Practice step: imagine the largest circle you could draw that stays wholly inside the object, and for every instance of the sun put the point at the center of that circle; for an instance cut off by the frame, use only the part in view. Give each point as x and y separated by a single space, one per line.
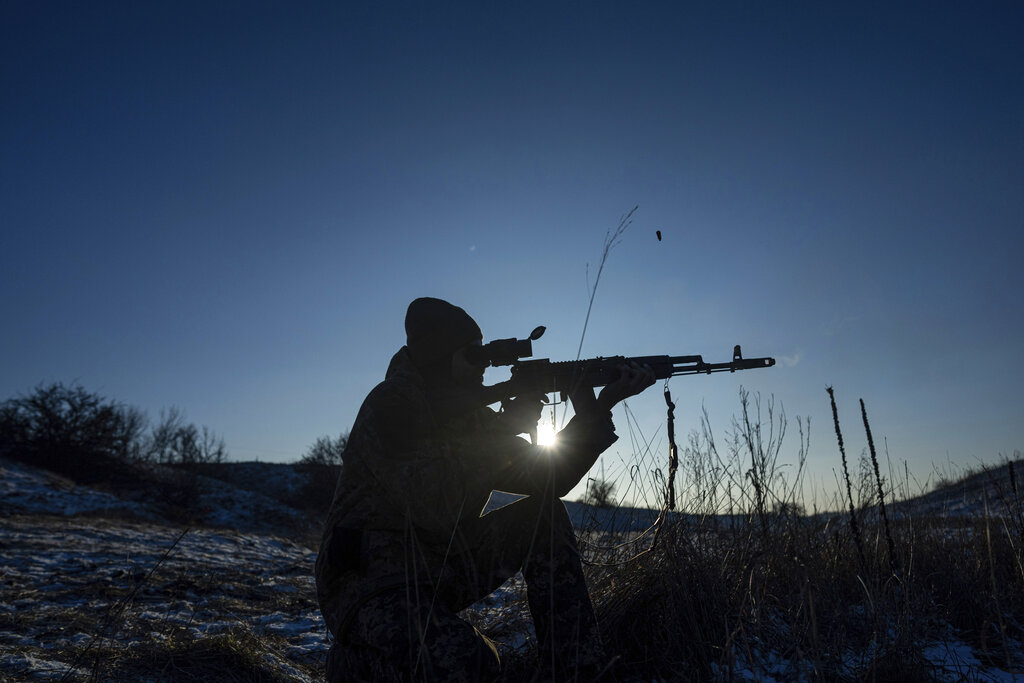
546 434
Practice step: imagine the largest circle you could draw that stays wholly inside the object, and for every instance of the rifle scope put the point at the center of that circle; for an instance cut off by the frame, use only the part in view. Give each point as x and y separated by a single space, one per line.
504 351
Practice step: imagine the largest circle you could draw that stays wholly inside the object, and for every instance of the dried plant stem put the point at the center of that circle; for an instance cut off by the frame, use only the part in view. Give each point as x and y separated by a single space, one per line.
881 493
113 617
846 475
610 240
1000 619
673 453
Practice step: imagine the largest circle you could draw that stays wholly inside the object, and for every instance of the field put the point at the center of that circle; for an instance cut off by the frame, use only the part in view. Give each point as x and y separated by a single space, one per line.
102 585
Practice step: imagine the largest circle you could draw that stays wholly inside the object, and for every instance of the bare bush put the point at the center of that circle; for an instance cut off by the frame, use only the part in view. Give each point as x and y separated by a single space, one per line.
173 441
321 464
325 451
600 493
68 429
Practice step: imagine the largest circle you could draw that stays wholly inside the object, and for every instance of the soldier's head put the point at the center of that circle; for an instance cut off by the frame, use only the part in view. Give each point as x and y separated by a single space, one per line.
436 332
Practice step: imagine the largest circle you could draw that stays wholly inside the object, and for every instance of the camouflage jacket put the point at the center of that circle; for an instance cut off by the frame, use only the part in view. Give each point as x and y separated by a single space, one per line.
410 474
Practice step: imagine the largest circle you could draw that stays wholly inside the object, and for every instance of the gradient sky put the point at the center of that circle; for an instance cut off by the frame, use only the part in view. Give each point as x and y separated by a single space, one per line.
227 207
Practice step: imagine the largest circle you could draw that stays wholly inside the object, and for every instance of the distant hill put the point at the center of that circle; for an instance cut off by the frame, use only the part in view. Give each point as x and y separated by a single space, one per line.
247 497
996 488
261 497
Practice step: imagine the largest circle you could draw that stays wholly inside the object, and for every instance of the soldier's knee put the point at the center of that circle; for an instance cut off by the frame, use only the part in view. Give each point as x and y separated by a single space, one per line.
460 655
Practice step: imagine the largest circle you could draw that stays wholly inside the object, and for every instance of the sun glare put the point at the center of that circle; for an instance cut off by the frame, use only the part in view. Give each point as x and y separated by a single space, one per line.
546 435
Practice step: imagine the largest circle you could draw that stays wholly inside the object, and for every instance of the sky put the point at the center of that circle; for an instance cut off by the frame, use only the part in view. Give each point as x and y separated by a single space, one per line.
227 207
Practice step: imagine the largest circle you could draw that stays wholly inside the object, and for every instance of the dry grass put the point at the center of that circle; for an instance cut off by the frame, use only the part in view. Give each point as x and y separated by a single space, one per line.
766 590
178 655
94 600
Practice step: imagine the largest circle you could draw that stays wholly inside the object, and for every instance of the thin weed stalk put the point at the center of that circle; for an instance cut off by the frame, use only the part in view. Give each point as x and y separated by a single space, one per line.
1000 619
846 475
113 618
881 492
611 239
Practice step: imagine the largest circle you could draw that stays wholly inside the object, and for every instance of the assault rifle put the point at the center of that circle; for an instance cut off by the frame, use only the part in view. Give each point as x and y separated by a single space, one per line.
563 377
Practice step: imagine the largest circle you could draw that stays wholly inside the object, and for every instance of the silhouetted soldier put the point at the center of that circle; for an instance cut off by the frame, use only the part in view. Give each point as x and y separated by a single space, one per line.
405 548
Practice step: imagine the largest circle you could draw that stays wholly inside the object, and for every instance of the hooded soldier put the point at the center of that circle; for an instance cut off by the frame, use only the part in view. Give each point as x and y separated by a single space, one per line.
405 547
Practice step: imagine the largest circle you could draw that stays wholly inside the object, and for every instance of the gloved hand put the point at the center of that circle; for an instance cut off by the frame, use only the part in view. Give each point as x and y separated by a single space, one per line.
522 413
633 380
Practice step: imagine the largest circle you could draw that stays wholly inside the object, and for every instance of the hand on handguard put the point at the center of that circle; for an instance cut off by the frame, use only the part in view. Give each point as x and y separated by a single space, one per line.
633 380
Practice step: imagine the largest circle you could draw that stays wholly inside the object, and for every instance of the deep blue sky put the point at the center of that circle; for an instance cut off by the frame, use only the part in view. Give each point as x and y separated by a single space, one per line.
226 207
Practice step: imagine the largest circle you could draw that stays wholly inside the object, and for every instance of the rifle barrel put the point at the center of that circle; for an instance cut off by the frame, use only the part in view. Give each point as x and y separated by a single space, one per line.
690 367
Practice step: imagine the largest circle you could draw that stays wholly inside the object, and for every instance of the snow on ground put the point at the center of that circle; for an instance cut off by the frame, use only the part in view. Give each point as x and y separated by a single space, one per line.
70 563
25 489
73 580
65 581
954 660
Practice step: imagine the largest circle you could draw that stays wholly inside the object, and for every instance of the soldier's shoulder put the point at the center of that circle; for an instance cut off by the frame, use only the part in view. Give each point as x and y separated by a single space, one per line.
395 391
